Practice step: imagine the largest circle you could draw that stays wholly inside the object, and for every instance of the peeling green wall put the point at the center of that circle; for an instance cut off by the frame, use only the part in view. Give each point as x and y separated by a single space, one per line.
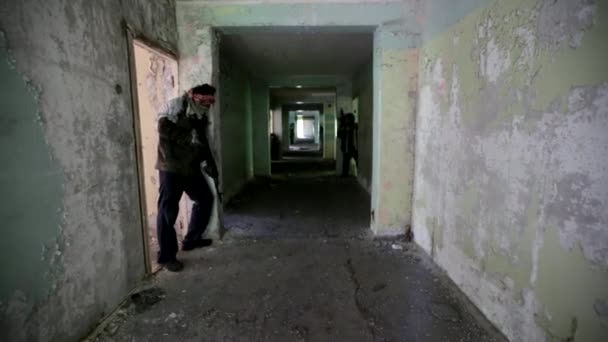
437 16
31 185
329 130
511 184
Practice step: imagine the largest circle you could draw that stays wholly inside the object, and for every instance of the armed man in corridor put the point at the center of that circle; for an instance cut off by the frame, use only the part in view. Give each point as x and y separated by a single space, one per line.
182 149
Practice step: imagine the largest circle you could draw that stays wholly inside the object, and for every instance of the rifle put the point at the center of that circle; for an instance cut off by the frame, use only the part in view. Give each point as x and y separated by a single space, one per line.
209 167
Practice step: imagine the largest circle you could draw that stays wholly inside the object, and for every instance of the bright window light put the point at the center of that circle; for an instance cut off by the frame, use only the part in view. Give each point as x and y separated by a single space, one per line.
300 127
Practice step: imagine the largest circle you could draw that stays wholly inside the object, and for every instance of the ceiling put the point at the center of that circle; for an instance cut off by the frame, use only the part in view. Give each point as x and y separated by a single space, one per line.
271 52
294 92
302 96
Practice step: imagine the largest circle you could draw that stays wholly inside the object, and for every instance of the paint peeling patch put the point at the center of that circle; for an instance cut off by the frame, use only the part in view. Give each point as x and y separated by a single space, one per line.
32 184
580 194
4 46
439 82
513 168
528 39
564 22
497 61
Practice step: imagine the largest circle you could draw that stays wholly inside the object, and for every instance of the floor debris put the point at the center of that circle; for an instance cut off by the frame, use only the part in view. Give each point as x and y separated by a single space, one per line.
347 287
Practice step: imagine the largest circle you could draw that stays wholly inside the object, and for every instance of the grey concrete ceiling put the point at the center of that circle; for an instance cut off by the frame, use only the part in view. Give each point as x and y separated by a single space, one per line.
300 96
270 53
291 92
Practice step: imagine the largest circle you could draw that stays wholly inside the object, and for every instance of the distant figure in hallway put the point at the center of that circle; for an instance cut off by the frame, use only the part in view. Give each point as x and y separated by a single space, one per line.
321 137
292 133
347 133
182 149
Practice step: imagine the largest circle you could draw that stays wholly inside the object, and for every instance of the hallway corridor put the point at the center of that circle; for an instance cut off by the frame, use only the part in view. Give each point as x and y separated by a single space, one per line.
299 207
297 264
475 133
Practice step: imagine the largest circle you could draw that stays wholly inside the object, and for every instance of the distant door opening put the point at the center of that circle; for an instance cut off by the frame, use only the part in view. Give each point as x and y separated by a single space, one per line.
305 136
154 81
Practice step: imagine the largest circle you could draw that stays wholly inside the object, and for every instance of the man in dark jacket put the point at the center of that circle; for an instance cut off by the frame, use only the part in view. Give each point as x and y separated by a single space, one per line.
347 133
182 149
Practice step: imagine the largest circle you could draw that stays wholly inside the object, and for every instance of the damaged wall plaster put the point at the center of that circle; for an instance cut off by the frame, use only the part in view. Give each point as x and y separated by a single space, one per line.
70 175
394 126
511 184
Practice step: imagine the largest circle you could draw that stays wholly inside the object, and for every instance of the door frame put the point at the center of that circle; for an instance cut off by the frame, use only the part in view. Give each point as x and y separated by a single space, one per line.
134 35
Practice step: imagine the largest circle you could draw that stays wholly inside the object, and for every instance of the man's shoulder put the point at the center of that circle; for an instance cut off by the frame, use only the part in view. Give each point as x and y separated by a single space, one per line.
172 108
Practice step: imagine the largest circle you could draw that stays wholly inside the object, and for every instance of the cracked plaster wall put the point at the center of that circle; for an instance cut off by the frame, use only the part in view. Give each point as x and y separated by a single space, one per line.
73 244
511 185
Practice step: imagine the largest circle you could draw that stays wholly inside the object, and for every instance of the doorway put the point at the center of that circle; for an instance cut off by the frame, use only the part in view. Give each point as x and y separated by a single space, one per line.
154 81
304 128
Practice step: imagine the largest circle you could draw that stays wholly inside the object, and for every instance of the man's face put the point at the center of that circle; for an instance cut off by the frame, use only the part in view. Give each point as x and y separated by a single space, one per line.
202 100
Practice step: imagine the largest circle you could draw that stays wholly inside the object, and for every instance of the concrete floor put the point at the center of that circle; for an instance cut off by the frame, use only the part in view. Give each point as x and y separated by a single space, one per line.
298 264
299 207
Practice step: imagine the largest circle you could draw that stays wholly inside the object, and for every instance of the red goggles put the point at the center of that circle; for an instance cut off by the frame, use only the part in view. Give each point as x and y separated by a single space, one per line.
203 99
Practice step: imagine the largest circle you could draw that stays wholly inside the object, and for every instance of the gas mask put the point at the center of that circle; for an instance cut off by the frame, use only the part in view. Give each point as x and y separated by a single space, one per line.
197 109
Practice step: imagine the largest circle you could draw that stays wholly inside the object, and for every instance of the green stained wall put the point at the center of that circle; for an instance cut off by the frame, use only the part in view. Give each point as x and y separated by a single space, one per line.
510 180
72 245
249 123
329 130
437 16
31 189
236 130
260 116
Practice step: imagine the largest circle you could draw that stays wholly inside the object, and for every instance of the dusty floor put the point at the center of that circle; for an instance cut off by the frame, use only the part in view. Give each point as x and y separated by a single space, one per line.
298 264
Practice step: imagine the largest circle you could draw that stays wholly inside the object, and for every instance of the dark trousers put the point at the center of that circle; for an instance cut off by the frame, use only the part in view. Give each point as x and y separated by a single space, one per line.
346 157
172 186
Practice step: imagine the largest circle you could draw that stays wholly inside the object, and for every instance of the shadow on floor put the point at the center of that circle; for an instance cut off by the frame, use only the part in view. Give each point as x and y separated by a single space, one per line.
302 166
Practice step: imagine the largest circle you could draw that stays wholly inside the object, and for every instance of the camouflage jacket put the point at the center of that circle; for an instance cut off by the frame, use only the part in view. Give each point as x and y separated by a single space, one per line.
182 141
